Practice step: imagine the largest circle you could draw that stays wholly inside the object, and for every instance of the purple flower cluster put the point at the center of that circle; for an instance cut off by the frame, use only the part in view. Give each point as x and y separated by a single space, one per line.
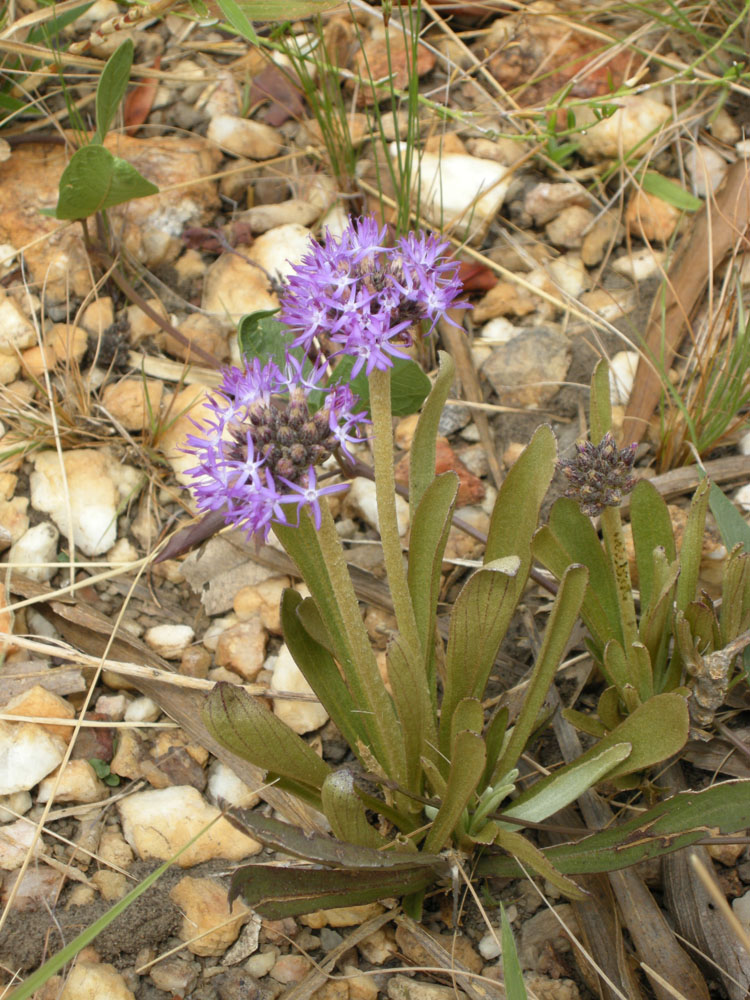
258 449
600 475
368 298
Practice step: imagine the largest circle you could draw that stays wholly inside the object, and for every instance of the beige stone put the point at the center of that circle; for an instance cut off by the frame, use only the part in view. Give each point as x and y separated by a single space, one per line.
650 217
360 987
78 783
98 315
243 137
113 849
16 840
13 518
186 408
637 122
95 981
134 402
159 822
300 716
204 332
63 344
378 947
38 702
242 648
111 885
290 969
206 915
262 598
342 916
10 366
16 330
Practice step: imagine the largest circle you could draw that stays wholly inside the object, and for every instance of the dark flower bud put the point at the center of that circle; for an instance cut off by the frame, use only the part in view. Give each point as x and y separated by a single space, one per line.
599 475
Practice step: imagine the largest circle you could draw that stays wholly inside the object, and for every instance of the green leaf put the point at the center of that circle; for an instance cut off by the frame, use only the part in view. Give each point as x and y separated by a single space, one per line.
556 634
112 86
467 766
652 528
536 806
238 19
431 522
277 892
245 726
519 847
732 526
346 812
414 706
409 385
691 550
422 452
94 180
669 826
480 619
318 666
600 414
669 191
261 335
515 989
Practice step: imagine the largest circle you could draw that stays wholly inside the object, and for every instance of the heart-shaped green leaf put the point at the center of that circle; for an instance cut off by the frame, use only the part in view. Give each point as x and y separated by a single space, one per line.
94 180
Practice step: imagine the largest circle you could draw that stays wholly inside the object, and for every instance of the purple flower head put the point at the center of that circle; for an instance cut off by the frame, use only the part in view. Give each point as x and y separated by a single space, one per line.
261 441
370 299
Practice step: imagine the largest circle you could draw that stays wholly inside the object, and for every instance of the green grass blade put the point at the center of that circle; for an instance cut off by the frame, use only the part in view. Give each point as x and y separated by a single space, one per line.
512 973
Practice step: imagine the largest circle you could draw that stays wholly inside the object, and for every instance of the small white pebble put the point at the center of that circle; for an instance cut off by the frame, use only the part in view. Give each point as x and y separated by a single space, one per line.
169 641
142 710
744 445
742 497
489 946
621 376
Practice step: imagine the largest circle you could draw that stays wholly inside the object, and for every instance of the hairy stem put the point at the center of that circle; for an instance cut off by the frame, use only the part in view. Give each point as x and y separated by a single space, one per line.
615 542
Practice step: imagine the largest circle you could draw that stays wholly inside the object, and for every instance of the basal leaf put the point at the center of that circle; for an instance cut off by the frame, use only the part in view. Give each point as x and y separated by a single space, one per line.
239 20
94 180
245 726
112 86
345 811
515 988
276 892
411 696
652 528
466 768
422 452
538 861
691 550
732 526
669 826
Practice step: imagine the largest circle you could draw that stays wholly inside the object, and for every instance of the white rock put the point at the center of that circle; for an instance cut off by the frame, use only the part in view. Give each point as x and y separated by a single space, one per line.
360 500
456 186
301 716
27 754
744 445
12 806
636 122
489 947
568 274
707 169
16 332
35 547
78 783
169 641
218 625
741 908
95 981
16 840
742 497
498 331
280 248
545 201
159 822
640 264
743 147
95 482
295 211
143 709
622 370
243 137
225 788
112 706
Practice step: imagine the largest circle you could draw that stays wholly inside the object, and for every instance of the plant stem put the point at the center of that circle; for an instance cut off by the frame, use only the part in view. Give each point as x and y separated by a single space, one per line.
385 493
614 539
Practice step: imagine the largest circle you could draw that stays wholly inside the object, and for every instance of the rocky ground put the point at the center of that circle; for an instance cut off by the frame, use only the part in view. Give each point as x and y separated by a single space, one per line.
104 366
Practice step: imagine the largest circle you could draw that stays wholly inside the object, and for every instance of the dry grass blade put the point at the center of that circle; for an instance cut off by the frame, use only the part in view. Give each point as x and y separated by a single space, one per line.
714 232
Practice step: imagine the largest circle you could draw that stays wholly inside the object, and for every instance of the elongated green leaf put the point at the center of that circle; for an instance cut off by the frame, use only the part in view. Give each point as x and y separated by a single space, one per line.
345 811
469 715
480 619
691 549
353 651
515 988
325 850
261 335
422 452
669 826
239 20
615 666
735 604
652 528
467 766
414 706
556 634
319 669
276 892
429 533
94 180
669 191
570 537
600 415
516 510
732 526
554 796
519 847
245 726
112 86
493 739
